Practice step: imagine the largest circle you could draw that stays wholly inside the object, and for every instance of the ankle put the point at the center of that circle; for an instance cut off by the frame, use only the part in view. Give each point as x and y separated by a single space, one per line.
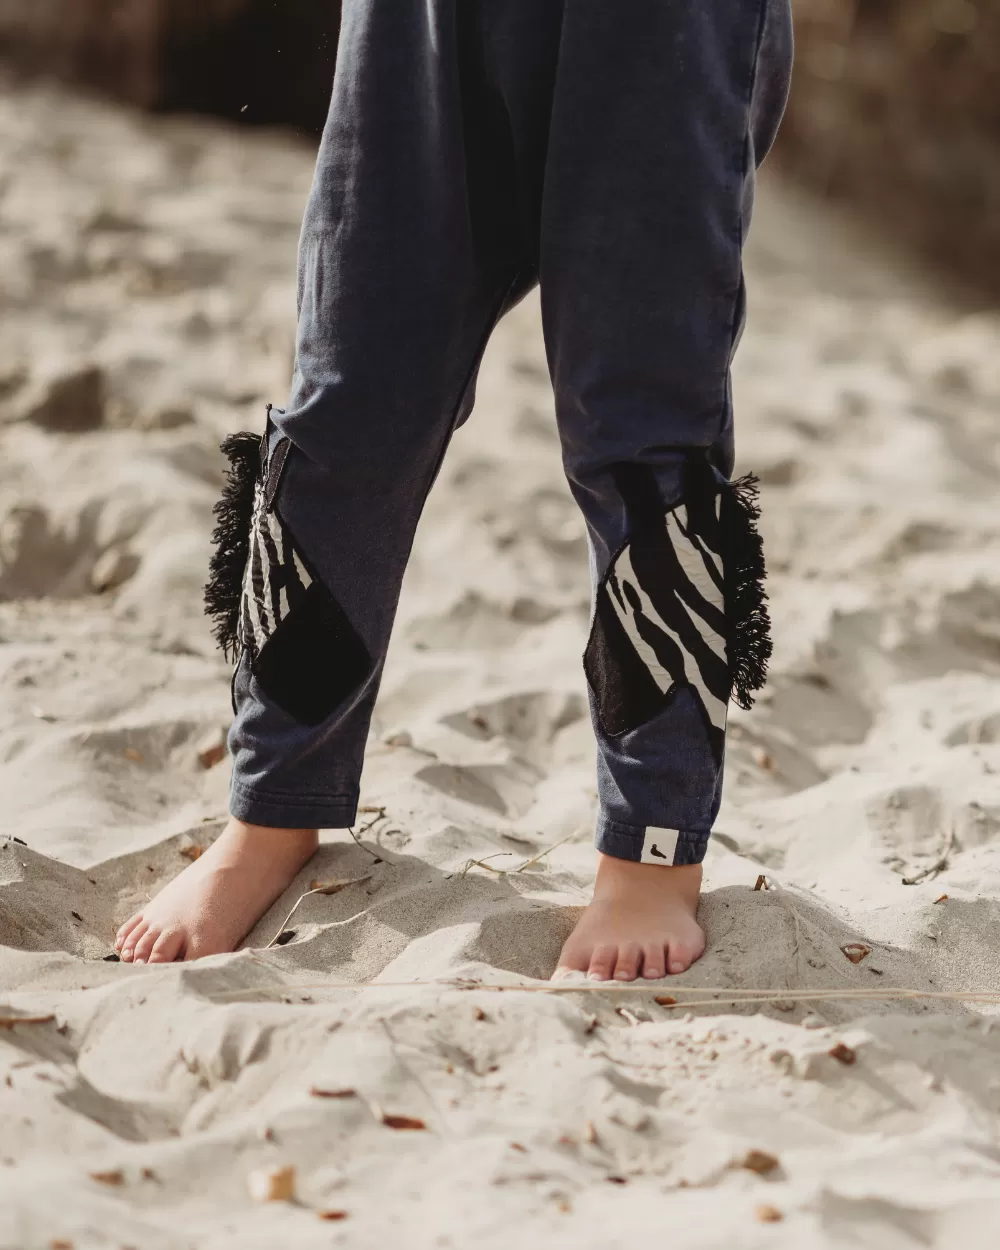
299 840
623 876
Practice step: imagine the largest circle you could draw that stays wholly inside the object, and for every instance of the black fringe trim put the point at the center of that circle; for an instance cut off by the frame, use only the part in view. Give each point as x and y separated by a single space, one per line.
749 623
231 539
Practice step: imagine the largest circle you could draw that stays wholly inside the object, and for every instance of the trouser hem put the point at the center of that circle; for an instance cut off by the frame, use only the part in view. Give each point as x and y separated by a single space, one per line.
647 843
287 812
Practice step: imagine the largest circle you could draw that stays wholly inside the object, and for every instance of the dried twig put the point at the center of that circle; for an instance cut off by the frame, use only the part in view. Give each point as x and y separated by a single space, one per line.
405 1121
481 863
726 994
939 865
510 872
327 887
379 815
541 854
9 1022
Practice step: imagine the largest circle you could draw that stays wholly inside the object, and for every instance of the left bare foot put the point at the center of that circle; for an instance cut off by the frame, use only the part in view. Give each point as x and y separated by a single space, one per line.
218 899
642 919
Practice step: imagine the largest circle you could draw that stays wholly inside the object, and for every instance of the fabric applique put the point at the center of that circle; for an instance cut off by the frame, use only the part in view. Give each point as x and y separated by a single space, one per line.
667 613
275 580
267 603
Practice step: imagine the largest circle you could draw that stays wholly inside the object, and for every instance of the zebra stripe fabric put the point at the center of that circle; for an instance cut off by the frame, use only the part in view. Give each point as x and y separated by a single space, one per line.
661 622
275 580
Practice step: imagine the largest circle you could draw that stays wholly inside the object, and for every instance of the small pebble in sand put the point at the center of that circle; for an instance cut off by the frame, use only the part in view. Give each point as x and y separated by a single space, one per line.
766 1214
397 738
113 1176
763 759
760 1161
112 568
211 749
272 1184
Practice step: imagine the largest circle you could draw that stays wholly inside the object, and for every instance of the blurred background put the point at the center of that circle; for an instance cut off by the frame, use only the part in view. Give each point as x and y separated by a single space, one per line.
895 108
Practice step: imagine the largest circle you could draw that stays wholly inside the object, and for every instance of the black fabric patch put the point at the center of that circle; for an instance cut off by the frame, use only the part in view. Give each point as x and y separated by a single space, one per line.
313 660
626 694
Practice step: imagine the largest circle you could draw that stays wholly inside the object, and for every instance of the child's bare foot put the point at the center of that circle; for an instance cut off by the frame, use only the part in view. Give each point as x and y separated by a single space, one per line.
218 899
642 919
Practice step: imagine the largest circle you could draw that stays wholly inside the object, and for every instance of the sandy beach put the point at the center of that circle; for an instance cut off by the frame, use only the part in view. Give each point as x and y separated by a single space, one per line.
147 281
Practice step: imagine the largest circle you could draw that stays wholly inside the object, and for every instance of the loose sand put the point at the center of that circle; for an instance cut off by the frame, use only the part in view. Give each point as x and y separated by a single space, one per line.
147 284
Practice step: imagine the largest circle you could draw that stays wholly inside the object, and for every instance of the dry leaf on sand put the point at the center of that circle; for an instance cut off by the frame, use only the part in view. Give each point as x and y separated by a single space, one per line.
402 1121
759 1161
114 1176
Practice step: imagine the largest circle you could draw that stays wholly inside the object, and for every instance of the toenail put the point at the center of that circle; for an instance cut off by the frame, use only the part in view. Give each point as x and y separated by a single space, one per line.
596 976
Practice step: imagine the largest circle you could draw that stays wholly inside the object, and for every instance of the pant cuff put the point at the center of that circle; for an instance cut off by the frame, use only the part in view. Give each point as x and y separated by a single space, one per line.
651 844
285 812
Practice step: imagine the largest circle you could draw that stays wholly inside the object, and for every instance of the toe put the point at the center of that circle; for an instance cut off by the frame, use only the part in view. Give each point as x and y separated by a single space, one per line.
142 948
168 947
627 967
126 929
574 957
129 945
654 962
682 955
602 963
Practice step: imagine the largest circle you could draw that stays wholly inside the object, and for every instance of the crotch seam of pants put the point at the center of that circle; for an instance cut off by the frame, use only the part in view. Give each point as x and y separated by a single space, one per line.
498 307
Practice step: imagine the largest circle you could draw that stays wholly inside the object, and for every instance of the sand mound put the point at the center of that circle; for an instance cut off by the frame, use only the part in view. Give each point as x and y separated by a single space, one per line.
149 268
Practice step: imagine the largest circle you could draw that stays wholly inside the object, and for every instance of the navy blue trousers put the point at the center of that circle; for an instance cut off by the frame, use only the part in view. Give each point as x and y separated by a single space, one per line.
605 149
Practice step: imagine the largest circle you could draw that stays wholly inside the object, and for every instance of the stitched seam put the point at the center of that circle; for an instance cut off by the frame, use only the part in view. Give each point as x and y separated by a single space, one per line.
639 831
296 800
740 230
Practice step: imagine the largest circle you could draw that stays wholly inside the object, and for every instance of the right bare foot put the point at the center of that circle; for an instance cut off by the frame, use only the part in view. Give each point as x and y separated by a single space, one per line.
215 902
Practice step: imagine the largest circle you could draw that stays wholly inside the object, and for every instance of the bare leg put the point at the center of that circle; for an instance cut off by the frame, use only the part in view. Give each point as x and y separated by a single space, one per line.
218 899
642 919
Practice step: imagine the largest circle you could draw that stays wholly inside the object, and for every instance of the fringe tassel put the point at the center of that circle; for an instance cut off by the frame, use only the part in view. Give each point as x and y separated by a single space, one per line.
231 539
749 623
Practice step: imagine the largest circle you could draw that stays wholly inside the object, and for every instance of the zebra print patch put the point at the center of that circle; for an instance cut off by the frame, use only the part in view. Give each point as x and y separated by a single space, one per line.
660 623
275 580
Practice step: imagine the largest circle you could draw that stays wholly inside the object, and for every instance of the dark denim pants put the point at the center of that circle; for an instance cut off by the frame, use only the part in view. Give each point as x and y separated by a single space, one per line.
605 149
